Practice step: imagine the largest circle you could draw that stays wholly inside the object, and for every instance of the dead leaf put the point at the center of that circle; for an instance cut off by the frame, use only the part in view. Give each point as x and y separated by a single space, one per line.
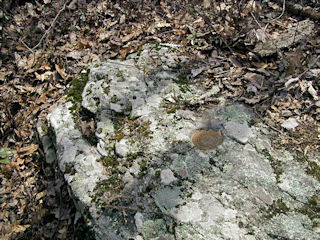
41 195
4 72
197 71
27 150
21 47
122 19
26 89
206 4
61 71
20 228
235 61
63 232
18 163
261 35
290 82
104 36
162 24
132 35
47 76
312 91
21 62
74 55
87 128
124 52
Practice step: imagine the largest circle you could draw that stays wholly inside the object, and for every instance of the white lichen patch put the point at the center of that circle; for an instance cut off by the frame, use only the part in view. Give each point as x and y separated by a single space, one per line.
297 183
191 212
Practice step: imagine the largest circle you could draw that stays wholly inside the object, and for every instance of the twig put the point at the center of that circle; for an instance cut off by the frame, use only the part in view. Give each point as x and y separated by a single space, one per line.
263 29
170 31
283 9
273 128
51 26
255 20
33 53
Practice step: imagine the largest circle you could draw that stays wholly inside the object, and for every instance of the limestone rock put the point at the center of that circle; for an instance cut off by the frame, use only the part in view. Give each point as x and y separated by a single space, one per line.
142 177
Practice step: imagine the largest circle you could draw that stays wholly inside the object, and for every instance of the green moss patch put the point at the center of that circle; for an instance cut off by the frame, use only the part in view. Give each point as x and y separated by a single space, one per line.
113 183
278 207
312 208
133 156
275 164
69 169
76 87
109 161
313 169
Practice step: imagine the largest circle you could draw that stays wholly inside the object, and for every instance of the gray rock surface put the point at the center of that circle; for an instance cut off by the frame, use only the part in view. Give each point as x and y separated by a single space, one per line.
167 177
143 178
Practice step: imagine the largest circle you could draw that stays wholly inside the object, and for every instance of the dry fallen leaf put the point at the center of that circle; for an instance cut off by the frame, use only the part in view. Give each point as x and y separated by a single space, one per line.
74 55
312 92
18 163
132 35
46 76
61 71
87 128
27 150
206 4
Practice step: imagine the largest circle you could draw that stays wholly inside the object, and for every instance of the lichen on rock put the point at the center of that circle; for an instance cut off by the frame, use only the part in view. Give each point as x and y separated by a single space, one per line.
162 169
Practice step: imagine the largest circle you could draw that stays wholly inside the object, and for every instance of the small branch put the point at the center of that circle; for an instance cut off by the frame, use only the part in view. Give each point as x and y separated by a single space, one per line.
261 118
283 9
255 20
33 53
51 26
263 29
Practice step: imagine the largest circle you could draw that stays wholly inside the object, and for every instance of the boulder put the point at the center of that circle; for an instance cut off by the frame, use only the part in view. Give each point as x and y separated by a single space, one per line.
144 178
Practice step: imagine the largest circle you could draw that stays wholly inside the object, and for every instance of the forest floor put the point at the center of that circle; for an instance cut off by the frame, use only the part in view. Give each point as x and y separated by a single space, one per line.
45 45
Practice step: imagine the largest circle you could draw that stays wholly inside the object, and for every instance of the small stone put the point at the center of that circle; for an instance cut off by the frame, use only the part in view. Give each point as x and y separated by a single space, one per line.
138 220
51 156
286 113
122 148
127 177
238 131
167 177
135 169
290 124
183 173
